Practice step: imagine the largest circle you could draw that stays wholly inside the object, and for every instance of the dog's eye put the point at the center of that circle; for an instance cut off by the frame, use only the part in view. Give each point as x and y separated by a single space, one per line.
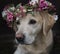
17 22
32 21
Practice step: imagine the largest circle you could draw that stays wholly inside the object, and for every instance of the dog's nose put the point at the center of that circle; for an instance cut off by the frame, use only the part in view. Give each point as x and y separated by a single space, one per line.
20 37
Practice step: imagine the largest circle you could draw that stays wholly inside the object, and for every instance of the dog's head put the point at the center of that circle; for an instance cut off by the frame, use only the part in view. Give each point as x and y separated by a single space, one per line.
29 26
28 21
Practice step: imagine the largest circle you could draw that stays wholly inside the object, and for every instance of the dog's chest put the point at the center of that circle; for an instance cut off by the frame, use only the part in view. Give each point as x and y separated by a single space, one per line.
28 50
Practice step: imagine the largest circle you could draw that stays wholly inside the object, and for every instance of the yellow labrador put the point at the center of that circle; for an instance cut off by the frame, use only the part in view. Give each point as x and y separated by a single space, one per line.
36 30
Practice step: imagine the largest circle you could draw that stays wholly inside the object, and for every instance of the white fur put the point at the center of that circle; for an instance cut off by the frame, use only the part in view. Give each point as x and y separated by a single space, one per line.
20 50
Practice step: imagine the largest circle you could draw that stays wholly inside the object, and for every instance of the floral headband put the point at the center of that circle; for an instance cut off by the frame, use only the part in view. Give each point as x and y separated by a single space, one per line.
10 12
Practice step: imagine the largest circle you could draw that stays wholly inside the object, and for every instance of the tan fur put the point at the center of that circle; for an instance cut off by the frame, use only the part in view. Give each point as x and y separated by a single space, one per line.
44 38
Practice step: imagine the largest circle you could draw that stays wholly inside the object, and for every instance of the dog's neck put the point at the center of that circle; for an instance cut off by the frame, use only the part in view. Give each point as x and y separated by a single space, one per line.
36 45
39 40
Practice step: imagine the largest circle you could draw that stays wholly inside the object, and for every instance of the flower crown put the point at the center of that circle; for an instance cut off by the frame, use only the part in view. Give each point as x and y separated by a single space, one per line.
10 12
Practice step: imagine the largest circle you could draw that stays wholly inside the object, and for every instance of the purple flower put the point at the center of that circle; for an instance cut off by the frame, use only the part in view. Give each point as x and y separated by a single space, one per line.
43 4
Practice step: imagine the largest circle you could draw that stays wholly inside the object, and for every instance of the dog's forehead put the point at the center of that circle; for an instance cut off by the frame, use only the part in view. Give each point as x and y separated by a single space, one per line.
35 16
28 17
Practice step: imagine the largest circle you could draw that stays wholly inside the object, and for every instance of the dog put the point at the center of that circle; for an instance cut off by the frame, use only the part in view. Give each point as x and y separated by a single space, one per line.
36 32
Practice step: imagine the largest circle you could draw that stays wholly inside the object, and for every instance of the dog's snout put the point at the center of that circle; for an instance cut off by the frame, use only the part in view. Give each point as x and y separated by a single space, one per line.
20 37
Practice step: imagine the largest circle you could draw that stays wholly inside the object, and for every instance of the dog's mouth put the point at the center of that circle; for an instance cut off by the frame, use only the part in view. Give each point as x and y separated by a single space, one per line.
21 41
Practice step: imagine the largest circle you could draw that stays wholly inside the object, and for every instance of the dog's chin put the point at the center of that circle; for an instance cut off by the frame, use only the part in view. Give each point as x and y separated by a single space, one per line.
23 42
28 43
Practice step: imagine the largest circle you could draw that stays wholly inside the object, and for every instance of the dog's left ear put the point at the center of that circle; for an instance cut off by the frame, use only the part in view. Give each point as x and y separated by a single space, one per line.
48 22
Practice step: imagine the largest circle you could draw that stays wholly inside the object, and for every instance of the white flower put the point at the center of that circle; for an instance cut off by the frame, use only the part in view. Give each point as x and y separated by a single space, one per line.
29 9
12 8
55 17
49 3
17 18
4 13
18 10
33 1
24 10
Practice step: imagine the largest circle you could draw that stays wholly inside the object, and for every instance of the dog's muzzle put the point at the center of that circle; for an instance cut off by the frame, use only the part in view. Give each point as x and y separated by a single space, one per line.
20 38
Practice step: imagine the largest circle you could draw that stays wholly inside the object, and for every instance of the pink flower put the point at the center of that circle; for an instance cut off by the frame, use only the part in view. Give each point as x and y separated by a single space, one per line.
42 4
18 14
21 8
9 16
22 13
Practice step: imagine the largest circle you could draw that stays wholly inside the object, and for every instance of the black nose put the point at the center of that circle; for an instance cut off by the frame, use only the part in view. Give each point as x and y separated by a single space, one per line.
20 40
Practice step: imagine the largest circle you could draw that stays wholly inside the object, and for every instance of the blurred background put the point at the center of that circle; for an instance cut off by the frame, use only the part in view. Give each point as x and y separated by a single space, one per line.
7 35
